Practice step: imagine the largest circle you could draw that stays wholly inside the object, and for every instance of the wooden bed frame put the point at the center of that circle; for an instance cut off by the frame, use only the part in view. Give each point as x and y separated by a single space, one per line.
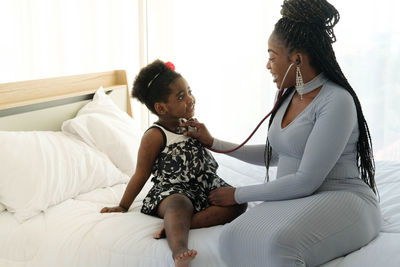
45 104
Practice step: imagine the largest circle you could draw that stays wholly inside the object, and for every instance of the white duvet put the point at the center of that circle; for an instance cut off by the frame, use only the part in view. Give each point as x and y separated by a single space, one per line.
74 233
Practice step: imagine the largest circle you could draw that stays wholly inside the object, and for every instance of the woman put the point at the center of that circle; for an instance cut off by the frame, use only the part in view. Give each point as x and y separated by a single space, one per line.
323 203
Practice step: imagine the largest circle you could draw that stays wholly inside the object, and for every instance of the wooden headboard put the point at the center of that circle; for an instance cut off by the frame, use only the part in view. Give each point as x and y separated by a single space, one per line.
45 104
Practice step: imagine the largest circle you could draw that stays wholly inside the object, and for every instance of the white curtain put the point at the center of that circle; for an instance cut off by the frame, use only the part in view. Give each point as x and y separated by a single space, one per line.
220 47
368 51
43 38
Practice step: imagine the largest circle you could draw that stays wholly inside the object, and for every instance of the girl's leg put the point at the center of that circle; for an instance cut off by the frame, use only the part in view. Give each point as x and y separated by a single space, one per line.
213 215
177 211
216 215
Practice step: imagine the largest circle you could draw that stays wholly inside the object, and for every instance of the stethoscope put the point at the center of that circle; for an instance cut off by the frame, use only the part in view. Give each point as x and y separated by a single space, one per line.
261 122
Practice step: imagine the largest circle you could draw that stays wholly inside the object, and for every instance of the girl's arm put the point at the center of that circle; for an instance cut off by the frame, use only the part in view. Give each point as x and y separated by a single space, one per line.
149 148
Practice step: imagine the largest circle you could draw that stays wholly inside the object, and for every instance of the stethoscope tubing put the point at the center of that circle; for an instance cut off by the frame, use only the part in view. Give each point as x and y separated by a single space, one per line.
259 124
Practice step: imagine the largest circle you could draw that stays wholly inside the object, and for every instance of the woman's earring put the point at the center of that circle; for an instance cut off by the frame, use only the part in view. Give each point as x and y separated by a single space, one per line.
299 83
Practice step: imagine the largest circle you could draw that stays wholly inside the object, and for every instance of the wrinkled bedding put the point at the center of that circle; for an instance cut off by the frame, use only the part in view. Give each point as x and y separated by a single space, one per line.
75 233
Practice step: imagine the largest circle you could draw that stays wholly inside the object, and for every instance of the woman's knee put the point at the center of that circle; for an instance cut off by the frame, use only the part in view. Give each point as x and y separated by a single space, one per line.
239 240
227 240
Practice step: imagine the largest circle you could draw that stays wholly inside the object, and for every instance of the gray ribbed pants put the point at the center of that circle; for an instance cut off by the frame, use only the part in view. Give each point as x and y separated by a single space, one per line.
301 232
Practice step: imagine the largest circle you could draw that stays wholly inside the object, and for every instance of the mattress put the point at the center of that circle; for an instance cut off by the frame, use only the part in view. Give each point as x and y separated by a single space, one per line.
75 233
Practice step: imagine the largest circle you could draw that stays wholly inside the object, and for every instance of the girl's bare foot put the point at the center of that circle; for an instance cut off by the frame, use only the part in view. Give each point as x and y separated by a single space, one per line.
160 233
184 259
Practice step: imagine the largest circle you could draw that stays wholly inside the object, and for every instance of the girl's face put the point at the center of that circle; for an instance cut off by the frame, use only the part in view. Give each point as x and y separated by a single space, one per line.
278 63
181 102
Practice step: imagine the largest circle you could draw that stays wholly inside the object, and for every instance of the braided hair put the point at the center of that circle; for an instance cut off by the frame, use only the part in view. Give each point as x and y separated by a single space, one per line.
307 26
151 85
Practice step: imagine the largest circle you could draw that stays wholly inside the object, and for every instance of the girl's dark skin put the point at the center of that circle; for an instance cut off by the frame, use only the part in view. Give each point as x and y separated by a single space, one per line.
176 209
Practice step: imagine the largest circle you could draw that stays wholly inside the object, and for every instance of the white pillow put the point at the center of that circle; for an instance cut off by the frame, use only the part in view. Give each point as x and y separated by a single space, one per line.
41 169
103 125
2 208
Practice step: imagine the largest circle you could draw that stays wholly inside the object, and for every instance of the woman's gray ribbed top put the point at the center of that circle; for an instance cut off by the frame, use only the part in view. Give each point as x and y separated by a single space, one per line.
317 150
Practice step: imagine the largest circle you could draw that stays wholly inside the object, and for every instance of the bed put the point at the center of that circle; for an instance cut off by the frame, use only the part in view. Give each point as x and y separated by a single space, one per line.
68 145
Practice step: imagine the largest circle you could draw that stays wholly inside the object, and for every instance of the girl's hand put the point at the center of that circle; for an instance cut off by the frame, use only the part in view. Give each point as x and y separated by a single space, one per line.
113 209
222 196
202 134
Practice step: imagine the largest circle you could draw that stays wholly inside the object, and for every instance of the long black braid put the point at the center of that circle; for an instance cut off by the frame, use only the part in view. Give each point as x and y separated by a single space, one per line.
307 26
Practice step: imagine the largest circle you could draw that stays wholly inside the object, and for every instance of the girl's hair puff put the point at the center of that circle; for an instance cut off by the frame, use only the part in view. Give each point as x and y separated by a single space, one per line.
151 85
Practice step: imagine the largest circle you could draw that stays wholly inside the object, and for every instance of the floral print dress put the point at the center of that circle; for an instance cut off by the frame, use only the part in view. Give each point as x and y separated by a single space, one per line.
184 167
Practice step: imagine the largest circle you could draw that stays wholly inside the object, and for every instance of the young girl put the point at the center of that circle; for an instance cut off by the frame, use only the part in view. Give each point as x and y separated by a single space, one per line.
184 173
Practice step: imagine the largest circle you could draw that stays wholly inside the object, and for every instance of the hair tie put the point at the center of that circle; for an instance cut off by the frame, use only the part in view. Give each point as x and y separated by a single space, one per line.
169 65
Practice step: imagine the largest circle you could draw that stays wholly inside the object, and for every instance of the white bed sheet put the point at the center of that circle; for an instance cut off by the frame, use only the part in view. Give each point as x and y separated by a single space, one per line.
74 233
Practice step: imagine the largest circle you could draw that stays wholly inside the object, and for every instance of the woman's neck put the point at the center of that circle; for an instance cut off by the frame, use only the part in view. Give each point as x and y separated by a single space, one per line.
308 73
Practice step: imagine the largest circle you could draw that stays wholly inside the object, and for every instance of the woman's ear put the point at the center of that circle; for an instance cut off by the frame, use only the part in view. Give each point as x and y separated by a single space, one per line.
160 108
297 58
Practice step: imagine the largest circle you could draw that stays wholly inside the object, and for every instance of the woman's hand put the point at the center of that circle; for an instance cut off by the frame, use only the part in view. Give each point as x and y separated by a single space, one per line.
113 209
202 134
222 196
